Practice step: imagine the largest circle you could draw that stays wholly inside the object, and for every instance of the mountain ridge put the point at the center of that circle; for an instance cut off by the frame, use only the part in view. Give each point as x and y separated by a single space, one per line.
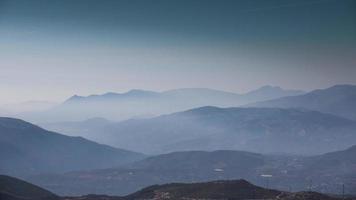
137 103
338 100
233 128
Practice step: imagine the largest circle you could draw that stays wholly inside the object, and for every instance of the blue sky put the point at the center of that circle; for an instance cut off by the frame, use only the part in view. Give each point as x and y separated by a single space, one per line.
50 50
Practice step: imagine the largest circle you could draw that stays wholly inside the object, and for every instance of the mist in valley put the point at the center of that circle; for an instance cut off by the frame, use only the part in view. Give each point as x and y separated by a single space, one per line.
177 100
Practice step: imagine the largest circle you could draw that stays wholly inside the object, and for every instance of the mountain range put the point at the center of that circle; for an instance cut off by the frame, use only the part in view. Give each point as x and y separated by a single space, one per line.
324 173
271 130
28 149
142 103
337 100
285 140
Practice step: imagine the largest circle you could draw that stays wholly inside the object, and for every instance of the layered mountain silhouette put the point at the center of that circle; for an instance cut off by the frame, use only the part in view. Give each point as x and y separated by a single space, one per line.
141 103
29 149
270 130
324 173
280 142
338 100
15 189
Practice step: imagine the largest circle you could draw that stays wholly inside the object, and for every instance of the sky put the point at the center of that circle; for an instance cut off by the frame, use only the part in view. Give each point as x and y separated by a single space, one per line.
53 49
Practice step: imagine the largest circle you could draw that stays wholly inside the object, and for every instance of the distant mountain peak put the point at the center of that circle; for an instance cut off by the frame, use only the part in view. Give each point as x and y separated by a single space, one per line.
205 109
270 88
97 120
75 97
197 91
130 92
133 91
138 92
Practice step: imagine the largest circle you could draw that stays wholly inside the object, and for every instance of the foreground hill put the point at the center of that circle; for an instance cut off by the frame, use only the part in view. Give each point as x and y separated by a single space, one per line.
215 190
28 149
338 100
16 189
209 128
326 171
235 189
142 103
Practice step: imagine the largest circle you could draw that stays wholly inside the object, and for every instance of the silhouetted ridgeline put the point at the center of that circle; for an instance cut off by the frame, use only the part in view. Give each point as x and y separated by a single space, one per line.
142 103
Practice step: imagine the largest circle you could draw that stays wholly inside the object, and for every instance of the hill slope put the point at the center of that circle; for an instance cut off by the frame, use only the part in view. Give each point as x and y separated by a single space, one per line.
339 100
28 149
16 189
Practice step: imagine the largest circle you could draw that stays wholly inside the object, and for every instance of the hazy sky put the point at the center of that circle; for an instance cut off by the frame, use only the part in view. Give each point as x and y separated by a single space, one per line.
52 49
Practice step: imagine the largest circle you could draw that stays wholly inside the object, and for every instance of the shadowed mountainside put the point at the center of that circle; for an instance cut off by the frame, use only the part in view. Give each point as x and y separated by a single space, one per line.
29 149
16 189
